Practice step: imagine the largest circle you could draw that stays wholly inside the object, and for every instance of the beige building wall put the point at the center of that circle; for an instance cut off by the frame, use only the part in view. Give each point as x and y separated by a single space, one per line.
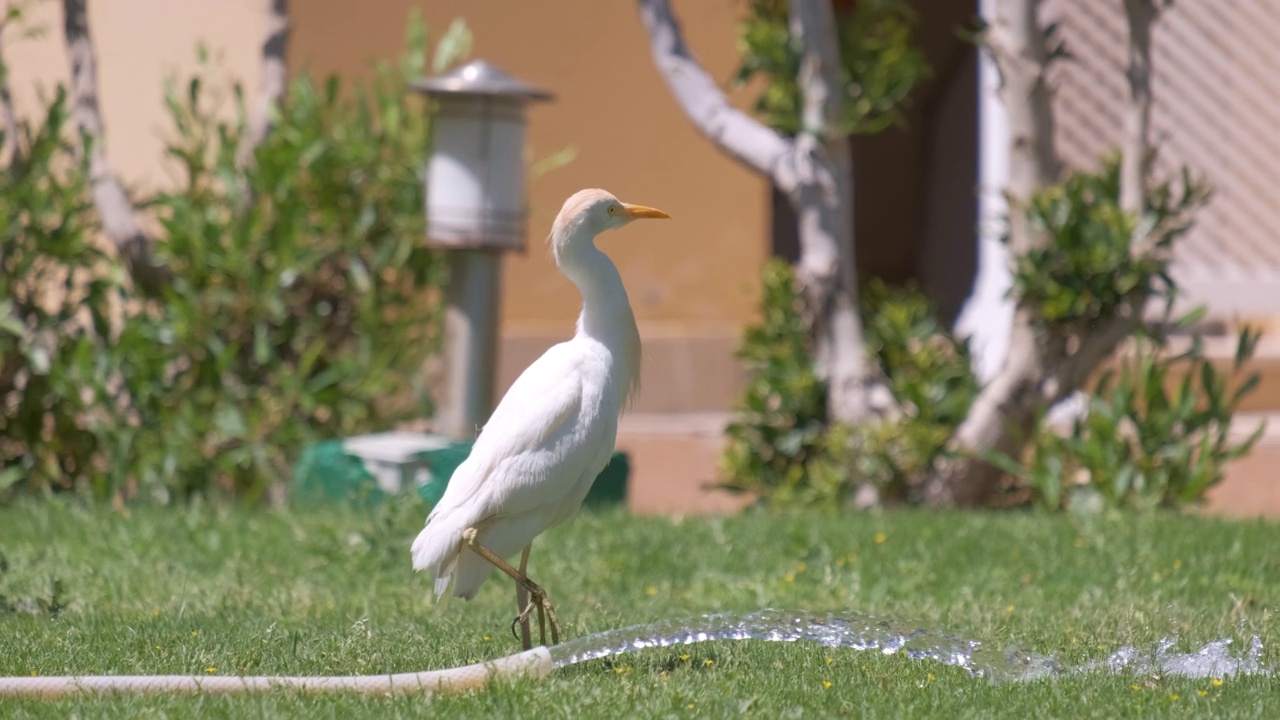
139 43
693 280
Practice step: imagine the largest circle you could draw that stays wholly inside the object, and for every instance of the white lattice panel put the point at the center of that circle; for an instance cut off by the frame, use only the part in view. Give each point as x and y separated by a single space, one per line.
1217 86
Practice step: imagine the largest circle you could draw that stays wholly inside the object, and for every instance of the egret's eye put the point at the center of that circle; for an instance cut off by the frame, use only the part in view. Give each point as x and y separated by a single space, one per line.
613 209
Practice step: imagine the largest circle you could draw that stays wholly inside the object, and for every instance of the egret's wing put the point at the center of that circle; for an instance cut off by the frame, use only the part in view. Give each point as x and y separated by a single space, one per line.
531 440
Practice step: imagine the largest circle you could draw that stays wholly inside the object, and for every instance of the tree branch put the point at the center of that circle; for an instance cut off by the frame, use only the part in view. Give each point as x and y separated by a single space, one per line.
109 196
1095 346
275 78
737 134
12 150
1141 16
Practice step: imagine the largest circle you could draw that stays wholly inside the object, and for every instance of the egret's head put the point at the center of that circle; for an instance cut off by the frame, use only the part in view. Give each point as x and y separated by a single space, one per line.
588 213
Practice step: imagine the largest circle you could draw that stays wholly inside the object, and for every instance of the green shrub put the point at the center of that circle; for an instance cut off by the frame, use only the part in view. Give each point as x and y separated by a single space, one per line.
1137 445
1089 270
300 305
881 64
1145 440
930 377
58 291
781 447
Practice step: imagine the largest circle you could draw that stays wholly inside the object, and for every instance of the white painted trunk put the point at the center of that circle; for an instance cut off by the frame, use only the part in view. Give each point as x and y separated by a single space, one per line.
275 78
8 118
814 171
987 316
109 197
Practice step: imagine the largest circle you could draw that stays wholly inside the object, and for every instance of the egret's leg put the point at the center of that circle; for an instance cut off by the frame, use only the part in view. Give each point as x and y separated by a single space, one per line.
522 602
538 596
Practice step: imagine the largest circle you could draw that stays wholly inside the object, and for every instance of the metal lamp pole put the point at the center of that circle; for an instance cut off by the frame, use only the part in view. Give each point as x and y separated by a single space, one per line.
476 209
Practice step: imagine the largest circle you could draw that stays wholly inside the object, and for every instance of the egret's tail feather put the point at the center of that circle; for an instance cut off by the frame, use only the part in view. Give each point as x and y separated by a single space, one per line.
436 550
470 572
442 580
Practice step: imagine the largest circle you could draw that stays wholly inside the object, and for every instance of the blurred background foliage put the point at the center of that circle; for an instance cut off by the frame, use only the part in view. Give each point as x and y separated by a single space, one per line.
881 63
1156 432
302 299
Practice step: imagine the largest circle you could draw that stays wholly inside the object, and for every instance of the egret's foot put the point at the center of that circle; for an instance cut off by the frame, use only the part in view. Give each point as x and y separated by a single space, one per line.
538 600
537 596
546 614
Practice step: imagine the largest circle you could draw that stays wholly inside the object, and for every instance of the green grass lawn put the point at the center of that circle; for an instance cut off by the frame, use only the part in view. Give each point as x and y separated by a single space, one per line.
332 593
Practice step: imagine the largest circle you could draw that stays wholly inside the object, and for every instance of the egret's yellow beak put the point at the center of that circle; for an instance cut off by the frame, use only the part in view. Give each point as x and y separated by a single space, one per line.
636 212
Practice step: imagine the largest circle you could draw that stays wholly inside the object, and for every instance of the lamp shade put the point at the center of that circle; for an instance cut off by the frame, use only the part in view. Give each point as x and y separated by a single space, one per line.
475 178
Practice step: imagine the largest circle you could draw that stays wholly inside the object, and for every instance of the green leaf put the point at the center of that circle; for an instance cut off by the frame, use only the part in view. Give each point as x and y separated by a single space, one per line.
454 46
1193 317
1245 389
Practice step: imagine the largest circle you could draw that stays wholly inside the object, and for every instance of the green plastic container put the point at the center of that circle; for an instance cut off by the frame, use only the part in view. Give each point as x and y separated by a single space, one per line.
610 486
367 469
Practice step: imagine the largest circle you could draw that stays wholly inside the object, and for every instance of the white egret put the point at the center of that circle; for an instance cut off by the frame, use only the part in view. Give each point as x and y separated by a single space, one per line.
552 433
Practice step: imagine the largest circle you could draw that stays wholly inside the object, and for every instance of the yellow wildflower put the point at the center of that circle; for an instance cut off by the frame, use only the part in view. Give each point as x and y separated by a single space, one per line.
880 538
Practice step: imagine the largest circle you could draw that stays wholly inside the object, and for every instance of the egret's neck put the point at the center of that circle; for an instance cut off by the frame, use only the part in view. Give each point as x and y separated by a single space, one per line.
606 311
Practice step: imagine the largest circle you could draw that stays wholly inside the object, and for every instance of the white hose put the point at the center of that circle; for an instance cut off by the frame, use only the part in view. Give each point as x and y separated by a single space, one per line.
535 663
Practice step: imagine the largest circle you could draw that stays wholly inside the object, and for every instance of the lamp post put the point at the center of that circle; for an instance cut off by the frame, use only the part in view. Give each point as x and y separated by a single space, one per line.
476 209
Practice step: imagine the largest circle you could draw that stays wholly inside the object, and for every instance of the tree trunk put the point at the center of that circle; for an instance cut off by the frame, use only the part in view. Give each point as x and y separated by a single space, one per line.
986 319
1007 406
274 82
999 420
109 196
813 170
825 272
12 149
823 200
1043 369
